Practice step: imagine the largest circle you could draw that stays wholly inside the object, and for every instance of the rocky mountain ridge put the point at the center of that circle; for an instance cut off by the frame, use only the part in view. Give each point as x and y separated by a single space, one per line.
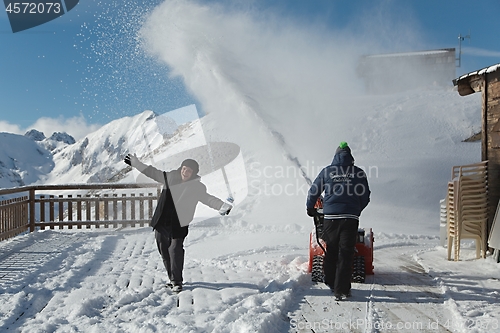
35 159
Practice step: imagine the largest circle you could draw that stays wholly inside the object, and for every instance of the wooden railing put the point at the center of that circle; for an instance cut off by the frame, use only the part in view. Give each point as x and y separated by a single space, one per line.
67 206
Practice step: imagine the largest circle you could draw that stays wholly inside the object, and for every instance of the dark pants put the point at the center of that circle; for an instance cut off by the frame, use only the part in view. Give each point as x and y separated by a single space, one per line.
172 253
340 237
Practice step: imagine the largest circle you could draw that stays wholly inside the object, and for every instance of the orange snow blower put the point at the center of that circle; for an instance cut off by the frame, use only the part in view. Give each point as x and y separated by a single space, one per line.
363 254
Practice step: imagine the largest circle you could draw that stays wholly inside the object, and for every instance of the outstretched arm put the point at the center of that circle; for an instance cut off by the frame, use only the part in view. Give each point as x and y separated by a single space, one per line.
147 170
213 202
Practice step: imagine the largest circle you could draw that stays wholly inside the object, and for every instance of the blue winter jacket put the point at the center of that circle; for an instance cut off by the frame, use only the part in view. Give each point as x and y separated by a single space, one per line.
345 187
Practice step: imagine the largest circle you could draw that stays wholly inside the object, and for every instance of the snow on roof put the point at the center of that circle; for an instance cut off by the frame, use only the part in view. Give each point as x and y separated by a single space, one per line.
418 53
489 69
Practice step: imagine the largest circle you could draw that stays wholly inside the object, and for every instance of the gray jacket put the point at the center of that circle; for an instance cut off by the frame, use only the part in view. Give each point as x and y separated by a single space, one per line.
178 200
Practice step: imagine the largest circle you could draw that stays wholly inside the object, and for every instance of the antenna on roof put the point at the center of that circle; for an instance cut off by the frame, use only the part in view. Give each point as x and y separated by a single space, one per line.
460 39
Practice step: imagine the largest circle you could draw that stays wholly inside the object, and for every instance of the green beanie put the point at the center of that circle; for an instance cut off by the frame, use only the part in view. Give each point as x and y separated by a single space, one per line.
343 147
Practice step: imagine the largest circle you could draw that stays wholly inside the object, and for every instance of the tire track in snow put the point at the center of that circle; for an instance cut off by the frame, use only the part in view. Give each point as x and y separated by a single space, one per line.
404 297
400 297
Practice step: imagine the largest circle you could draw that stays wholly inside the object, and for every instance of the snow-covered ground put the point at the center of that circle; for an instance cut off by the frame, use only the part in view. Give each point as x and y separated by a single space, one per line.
113 281
284 100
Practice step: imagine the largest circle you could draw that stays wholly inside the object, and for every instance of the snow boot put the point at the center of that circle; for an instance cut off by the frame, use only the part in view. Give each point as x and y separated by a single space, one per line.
177 288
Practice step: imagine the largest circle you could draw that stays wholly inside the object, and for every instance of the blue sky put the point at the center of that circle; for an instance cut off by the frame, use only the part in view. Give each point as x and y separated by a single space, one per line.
85 68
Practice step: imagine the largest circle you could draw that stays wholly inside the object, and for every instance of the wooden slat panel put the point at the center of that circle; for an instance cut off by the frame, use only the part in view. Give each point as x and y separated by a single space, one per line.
150 205
105 203
14 217
42 208
124 207
115 209
132 208
68 210
79 209
88 208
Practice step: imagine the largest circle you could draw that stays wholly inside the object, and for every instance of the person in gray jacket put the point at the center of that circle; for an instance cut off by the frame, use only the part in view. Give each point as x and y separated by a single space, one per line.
182 191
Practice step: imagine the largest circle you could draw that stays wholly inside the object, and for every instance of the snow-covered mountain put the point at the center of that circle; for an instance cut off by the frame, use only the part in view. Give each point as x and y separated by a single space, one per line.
35 135
59 159
22 160
25 159
98 157
57 140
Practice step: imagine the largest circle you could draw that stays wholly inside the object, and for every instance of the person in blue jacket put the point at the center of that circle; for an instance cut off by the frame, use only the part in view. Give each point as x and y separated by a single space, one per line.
346 194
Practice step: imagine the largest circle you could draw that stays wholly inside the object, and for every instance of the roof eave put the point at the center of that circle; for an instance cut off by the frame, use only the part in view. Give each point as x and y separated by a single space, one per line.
473 82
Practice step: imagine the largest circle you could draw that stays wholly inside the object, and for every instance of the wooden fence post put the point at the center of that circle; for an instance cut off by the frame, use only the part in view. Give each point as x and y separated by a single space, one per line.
32 209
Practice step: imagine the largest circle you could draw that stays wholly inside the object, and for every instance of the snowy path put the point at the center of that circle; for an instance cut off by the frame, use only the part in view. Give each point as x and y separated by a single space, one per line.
113 281
404 295
414 289
401 296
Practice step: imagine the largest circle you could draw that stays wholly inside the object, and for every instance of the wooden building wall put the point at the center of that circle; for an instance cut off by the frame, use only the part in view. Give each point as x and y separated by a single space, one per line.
487 81
491 143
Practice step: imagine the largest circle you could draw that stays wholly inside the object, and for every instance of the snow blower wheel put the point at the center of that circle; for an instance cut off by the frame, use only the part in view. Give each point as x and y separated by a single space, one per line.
358 269
317 269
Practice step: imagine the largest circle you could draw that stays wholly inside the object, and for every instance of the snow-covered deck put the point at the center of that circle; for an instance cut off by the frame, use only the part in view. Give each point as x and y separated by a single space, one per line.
113 280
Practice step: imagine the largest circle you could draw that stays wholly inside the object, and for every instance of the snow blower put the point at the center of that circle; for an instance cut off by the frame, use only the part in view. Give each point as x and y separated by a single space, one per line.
363 254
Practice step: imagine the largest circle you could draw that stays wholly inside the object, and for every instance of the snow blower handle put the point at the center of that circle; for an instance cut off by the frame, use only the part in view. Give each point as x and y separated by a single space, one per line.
318 209
318 221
